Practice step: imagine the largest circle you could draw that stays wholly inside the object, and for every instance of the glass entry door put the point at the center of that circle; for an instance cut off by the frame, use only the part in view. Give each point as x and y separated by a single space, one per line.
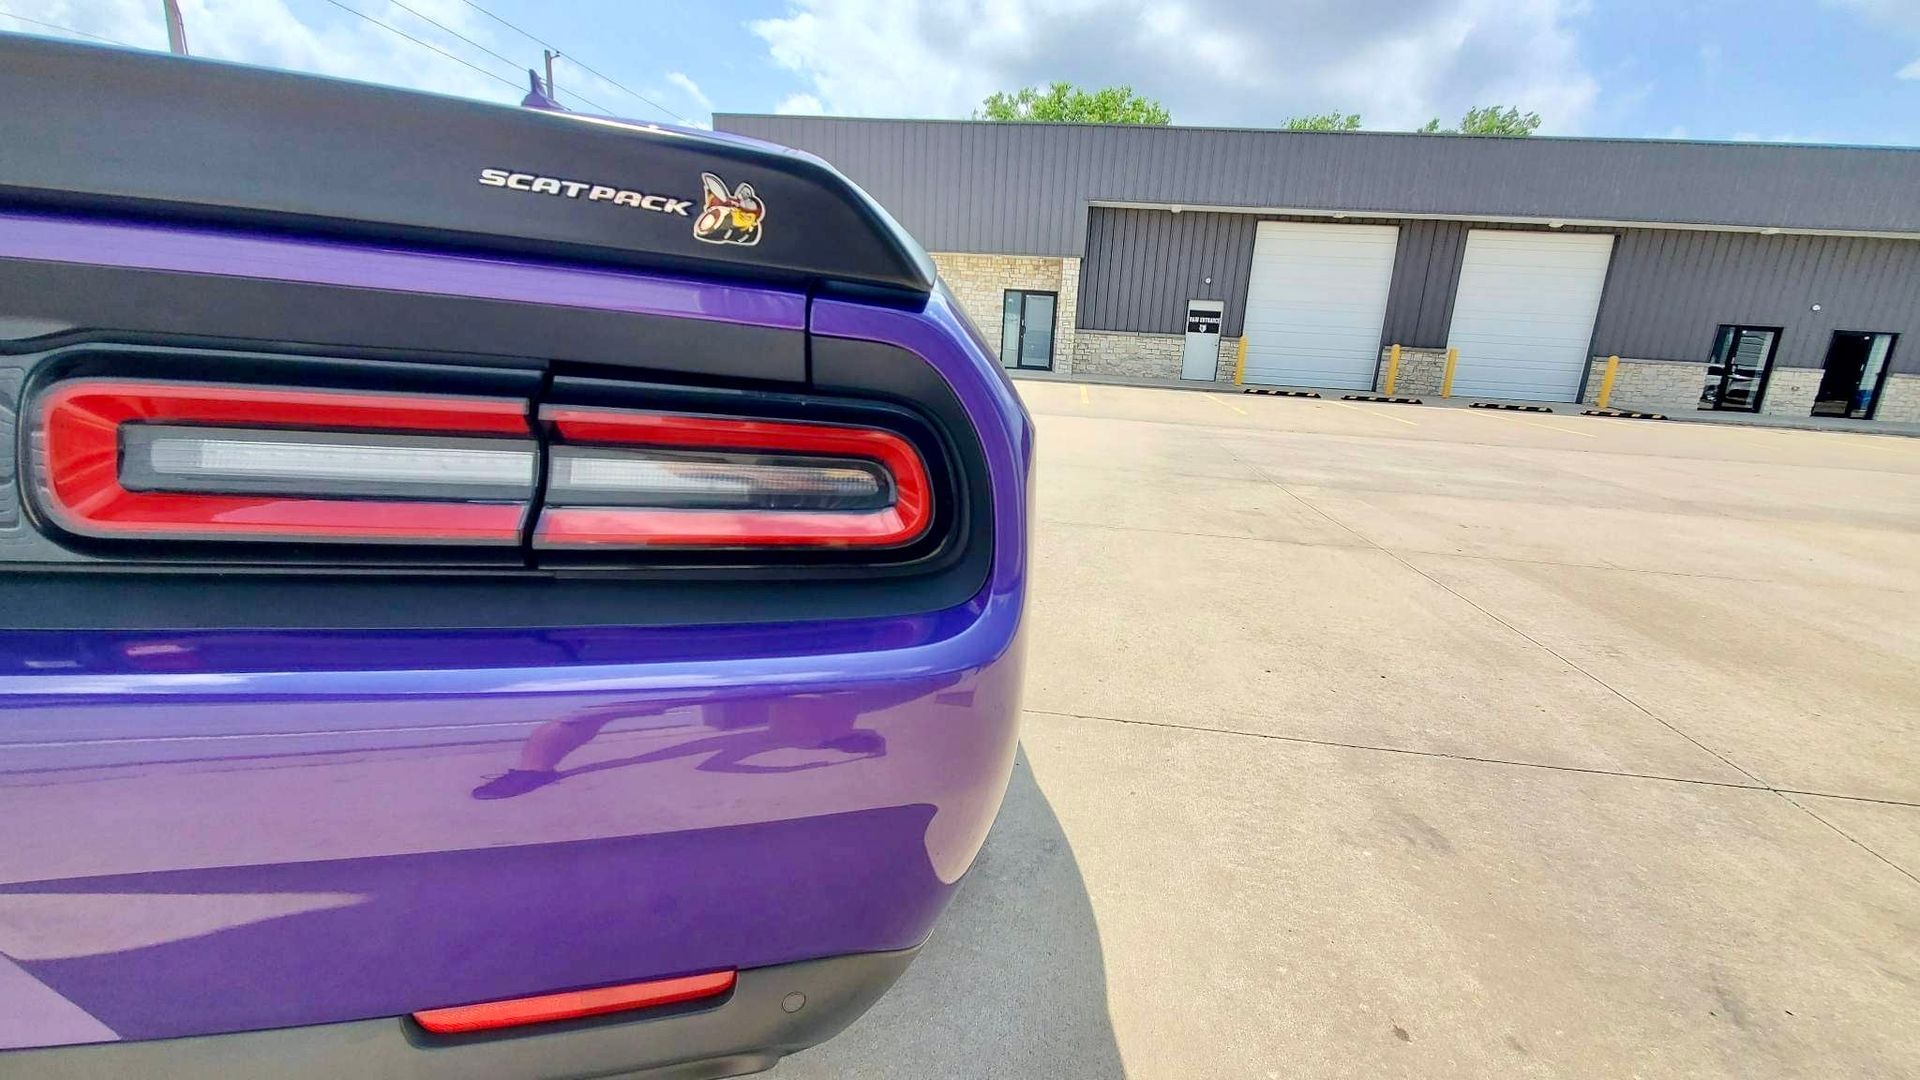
1026 330
1737 372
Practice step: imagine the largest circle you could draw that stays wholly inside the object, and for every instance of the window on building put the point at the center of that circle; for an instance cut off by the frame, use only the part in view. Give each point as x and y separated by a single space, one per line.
1026 329
1737 371
1855 372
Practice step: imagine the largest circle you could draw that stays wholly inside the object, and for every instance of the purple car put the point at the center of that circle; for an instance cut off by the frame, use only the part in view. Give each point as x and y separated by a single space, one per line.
486 591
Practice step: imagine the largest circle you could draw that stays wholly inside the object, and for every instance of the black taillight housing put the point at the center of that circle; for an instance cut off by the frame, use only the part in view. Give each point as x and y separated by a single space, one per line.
148 465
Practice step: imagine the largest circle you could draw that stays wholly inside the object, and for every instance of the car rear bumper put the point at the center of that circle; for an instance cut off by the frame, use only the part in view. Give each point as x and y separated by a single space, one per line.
207 849
770 1012
219 831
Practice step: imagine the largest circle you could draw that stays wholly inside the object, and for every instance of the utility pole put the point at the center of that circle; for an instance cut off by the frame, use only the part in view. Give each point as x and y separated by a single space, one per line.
551 57
176 27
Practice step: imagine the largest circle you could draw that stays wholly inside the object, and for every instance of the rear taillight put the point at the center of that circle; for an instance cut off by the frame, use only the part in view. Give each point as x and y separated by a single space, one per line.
640 479
130 460
152 460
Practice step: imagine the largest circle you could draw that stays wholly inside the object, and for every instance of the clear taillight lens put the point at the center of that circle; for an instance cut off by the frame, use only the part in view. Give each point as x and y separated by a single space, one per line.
664 480
181 461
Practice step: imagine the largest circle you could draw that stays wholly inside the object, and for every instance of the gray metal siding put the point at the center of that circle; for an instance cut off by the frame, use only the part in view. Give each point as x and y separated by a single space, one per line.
1667 291
1142 267
1024 188
1425 270
1671 290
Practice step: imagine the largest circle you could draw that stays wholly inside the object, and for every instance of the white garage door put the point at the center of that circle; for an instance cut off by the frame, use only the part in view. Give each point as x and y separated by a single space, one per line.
1523 314
1316 302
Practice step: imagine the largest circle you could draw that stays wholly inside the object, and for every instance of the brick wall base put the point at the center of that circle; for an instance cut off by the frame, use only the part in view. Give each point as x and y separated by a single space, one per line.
1662 386
1143 356
1790 391
980 283
1420 375
1900 400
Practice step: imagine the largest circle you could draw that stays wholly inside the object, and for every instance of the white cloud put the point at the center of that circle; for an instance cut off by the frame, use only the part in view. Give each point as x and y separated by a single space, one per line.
1396 62
800 105
1911 71
691 88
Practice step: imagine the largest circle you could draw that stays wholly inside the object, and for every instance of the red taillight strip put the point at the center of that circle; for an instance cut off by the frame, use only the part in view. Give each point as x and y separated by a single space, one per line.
576 526
78 464
574 1005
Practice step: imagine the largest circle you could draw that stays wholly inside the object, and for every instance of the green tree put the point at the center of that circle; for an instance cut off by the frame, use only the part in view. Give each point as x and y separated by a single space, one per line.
1332 121
1488 120
1064 103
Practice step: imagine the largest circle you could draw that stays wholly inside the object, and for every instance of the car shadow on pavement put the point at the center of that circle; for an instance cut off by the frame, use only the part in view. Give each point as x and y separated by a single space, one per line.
1012 983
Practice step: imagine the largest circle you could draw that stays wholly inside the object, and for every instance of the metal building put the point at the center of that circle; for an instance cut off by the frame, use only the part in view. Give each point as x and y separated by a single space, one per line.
1760 277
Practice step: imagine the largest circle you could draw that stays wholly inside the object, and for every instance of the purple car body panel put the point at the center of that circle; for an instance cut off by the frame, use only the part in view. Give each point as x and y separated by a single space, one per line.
215 831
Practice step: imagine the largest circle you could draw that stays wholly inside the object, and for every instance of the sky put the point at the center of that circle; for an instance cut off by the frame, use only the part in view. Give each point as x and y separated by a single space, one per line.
1845 71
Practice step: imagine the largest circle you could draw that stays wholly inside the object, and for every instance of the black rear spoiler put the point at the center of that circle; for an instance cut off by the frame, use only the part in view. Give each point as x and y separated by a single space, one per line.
191 140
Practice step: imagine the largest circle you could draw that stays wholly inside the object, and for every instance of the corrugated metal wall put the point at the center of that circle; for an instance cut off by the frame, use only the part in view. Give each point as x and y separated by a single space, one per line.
1025 189
1022 189
1425 270
1142 267
1670 290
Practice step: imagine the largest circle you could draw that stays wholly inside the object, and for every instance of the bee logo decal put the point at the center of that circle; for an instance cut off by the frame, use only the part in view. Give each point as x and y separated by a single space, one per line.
728 218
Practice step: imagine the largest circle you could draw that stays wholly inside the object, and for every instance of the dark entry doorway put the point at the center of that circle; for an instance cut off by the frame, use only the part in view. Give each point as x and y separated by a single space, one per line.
1855 371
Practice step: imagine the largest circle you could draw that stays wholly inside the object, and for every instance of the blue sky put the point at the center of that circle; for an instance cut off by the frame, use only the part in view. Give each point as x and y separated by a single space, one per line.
1800 70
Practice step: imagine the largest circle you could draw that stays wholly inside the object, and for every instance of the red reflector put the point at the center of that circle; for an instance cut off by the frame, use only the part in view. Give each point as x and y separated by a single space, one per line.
176 460
573 1004
715 482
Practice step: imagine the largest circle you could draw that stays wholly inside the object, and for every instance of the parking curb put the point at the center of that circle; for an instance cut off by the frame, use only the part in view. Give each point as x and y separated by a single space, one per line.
1625 414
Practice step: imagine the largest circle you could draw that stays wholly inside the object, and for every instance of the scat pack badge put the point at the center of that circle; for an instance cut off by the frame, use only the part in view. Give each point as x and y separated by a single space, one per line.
728 218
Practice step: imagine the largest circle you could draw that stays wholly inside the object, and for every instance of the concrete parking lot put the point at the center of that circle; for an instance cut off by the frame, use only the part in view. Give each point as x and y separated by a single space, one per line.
1369 740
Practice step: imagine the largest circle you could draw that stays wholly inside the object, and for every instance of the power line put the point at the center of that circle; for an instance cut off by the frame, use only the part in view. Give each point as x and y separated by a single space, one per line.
509 61
576 63
394 29
66 29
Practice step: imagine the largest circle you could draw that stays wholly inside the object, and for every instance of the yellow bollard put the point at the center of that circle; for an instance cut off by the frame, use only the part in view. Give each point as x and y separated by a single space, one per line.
1240 361
1446 381
1393 368
1606 382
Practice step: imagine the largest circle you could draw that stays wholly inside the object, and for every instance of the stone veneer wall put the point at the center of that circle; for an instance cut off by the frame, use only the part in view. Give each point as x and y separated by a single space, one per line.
1790 391
1900 400
980 283
1663 386
1229 356
1421 372
1671 386
1143 356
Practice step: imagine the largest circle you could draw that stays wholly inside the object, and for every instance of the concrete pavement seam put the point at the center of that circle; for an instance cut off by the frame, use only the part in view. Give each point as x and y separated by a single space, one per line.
1850 838
1239 431
1602 683
1623 774
1522 634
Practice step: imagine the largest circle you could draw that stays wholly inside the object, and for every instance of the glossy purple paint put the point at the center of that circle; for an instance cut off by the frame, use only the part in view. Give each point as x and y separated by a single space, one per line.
224 831
391 267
